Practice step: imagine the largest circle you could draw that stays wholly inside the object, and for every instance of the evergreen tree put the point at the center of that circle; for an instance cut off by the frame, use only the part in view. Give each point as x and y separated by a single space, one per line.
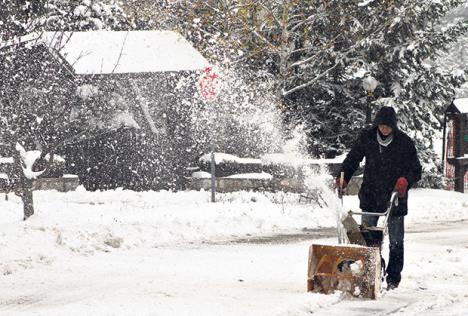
454 60
394 41
320 51
399 57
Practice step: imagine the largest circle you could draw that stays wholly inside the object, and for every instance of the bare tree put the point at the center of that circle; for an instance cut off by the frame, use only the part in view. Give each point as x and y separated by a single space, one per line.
39 100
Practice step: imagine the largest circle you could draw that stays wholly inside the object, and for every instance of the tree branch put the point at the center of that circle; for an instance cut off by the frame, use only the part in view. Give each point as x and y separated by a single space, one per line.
311 82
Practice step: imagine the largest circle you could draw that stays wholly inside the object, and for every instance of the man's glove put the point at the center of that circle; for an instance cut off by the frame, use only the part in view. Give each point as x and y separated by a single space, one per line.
401 186
338 182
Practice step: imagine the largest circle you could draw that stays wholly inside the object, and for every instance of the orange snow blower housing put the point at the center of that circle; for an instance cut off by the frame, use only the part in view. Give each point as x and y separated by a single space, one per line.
355 268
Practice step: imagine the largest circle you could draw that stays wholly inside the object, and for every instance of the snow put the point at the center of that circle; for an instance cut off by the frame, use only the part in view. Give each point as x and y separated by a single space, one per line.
359 73
396 89
87 91
461 104
28 159
6 160
120 52
287 159
69 176
369 83
227 158
123 119
293 160
365 3
145 253
82 10
201 175
262 175
458 73
161 218
356 267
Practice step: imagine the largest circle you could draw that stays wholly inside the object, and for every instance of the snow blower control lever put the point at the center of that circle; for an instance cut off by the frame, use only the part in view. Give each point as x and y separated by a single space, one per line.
341 187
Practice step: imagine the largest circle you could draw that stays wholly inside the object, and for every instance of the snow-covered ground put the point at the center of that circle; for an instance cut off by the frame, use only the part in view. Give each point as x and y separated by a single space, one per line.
162 253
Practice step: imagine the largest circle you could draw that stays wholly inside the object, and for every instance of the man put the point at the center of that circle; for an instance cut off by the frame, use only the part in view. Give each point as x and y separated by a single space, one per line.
391 164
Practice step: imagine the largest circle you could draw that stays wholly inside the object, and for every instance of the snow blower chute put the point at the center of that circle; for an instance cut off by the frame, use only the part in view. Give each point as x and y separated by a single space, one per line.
354 268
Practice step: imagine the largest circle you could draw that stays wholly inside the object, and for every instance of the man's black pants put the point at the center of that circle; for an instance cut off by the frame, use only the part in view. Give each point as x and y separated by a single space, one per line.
396 233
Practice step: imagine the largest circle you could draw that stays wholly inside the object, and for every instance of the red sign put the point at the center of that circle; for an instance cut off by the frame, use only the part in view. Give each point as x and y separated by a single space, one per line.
207 84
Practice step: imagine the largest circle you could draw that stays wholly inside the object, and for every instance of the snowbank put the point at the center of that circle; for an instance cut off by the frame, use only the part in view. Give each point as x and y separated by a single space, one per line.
87 222
84 222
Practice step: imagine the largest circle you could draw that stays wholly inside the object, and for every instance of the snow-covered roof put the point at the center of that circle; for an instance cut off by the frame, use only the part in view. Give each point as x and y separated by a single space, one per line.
461 105
119 52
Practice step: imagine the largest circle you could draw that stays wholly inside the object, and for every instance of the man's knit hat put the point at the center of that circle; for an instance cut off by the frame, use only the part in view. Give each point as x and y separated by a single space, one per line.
387 116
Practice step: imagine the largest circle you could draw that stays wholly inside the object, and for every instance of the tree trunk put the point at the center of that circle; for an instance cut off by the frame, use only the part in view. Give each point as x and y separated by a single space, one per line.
27 198
24 187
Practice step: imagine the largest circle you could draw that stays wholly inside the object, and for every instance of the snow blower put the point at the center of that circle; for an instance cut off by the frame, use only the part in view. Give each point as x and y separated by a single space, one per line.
355 268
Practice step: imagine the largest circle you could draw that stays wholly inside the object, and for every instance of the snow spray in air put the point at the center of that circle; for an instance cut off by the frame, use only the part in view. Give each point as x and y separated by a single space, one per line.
318 182
249 124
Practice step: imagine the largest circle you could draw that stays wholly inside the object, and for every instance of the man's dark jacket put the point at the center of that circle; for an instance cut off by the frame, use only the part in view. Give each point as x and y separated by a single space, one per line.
383 166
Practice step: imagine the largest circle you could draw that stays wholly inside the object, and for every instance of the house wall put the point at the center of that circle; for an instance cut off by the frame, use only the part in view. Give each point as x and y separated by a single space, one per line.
144 158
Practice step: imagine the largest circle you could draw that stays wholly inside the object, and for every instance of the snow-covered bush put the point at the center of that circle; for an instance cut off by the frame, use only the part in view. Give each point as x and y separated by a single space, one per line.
81 15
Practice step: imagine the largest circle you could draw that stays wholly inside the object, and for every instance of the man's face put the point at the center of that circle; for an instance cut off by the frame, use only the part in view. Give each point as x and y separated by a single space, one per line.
385 129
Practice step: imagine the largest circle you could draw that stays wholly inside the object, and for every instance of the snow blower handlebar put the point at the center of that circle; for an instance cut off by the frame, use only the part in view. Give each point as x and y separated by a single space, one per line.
393 202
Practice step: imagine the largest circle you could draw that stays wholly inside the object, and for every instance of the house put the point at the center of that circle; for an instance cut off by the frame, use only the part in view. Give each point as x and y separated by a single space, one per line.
141 85
455 147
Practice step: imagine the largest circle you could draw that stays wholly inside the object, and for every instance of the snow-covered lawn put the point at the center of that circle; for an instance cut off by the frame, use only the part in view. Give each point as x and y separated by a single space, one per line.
163 253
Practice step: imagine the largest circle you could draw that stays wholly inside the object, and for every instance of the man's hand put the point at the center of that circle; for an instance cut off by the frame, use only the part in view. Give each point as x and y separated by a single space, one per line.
338 183
401 186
